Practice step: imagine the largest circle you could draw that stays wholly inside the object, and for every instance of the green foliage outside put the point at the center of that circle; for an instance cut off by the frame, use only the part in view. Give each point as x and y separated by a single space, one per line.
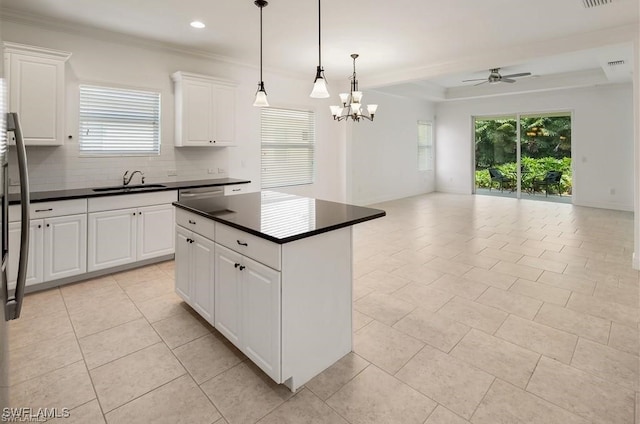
545 146
536 168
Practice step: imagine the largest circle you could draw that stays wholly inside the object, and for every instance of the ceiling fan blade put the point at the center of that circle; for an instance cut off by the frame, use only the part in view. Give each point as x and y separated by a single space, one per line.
510 81
477 79
480 83
522 74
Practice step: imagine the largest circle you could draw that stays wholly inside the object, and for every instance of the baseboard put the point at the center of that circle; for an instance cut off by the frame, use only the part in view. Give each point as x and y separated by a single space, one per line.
94 274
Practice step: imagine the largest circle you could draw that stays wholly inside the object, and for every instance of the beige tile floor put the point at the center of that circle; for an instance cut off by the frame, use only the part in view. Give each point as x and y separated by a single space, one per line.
467 309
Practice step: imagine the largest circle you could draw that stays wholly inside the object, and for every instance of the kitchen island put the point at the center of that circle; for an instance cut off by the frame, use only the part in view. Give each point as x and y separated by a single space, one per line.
272 272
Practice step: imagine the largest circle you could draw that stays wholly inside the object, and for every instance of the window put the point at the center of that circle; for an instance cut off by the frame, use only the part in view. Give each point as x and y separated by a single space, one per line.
288 139
425 146
119 122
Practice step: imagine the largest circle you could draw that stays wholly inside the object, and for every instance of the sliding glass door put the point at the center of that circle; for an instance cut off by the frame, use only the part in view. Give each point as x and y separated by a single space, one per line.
524 155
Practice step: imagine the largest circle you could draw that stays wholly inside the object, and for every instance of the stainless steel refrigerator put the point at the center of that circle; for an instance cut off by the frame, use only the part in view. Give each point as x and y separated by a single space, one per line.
11 300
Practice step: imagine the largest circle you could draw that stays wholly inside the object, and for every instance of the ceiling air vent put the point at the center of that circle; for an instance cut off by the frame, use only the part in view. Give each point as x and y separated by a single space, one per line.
615 63
588 4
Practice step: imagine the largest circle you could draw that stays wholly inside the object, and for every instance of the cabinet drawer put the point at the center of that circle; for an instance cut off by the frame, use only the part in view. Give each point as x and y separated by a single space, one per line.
49 209
249 245
196 223
235 189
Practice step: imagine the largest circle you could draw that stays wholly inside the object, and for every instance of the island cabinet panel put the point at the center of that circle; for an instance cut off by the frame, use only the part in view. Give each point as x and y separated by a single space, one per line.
183 263
227 288
194 273
316 304
260 316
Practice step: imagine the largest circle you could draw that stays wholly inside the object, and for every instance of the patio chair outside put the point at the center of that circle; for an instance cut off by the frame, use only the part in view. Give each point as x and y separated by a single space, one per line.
551 178
497 176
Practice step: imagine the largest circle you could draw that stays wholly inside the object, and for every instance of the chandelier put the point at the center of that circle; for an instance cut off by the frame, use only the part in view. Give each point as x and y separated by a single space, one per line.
351 106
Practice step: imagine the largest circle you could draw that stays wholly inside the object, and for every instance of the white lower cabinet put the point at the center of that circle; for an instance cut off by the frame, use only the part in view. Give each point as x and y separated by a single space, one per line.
35 264
65 246
122 236
112 238
247 309
155 231
57 249
195 271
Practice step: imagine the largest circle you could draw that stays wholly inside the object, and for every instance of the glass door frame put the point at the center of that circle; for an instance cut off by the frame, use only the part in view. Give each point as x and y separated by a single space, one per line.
518 117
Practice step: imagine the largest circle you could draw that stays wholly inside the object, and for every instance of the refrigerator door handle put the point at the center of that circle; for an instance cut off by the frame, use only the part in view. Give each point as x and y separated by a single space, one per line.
14 305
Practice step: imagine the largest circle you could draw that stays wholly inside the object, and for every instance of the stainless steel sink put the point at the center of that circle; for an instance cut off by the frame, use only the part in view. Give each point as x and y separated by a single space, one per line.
129 187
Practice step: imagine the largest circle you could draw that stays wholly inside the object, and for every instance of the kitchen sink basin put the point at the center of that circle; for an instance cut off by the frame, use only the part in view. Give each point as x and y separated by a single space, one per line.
129 187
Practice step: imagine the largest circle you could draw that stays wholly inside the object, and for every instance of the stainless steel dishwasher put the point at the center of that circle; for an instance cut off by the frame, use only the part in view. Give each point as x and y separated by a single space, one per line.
203 198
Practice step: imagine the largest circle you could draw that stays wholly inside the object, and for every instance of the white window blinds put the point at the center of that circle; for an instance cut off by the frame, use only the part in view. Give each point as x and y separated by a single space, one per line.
288 139
425 146
119 122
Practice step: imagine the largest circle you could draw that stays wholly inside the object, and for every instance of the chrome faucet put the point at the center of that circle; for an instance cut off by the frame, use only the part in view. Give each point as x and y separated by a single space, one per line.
126 181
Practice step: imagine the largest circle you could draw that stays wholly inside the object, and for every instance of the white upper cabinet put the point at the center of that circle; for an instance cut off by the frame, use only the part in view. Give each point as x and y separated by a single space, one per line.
205 110
36 91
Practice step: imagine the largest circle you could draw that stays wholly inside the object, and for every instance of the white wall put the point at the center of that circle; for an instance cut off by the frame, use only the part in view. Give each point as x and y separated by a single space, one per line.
602 140
115 60
382 159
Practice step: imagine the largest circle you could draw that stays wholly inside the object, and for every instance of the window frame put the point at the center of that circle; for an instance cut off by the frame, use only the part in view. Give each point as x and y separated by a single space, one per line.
275 142
152 97
426 147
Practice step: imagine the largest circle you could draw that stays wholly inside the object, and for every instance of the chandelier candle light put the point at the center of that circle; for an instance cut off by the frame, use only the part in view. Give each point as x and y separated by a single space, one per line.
261 94
351 106
319 84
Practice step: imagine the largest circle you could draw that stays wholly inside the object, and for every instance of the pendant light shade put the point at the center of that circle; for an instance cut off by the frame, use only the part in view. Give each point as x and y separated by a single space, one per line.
261 94
319 84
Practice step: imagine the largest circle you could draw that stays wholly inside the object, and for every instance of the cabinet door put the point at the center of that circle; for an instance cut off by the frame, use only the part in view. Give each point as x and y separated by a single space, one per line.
198 113
224 101
112 238
261 316
155 231
203 277
183 263
227 289
65 246
36 92
34 262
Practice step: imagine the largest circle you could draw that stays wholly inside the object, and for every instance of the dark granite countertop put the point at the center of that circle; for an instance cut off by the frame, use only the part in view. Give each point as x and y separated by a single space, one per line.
80 193
279 217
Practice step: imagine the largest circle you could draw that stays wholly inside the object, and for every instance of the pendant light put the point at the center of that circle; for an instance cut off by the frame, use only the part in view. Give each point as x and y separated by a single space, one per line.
319 84
261 94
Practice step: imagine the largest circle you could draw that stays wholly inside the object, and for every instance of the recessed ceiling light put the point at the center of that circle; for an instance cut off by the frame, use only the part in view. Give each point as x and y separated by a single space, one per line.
197 24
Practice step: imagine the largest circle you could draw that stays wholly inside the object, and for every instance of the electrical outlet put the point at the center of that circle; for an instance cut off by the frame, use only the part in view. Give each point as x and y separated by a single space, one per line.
211 171
221 170
172 173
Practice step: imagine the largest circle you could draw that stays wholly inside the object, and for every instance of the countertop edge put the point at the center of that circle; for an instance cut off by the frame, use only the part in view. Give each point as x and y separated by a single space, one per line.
284 240
85 193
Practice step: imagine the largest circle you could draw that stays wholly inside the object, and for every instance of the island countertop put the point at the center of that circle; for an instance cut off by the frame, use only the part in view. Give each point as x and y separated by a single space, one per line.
279 217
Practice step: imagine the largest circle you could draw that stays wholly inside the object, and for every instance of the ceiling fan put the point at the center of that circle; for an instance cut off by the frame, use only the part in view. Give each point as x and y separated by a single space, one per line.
495 77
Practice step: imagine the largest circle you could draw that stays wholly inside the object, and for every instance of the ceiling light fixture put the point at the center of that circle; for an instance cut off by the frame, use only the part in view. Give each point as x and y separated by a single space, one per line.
261 94
197 24
351 106
319 84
